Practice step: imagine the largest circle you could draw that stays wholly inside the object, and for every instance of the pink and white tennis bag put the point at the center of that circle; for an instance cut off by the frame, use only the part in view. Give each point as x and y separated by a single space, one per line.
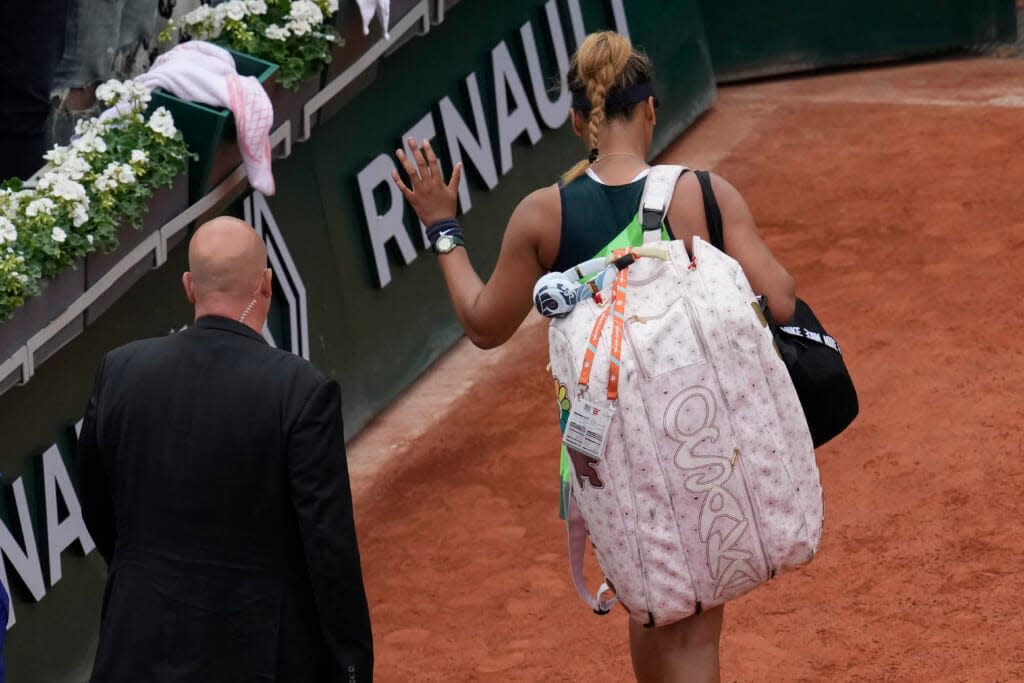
706 485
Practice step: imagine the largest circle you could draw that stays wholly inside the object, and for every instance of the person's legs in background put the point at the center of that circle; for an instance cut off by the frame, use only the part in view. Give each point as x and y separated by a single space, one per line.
104 39
31 42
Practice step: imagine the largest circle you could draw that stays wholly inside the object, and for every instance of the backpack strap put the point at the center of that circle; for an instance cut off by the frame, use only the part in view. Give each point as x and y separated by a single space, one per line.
658 189
577 544
712 214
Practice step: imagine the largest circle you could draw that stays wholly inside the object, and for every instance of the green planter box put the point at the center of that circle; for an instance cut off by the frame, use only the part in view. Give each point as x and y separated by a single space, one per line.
56 294
62 290
288 104
209 131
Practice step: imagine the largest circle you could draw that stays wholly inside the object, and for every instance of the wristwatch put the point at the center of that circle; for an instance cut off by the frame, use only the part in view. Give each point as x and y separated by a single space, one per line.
447 243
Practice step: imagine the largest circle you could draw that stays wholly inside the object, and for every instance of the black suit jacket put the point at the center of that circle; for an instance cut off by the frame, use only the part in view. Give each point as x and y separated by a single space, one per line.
213 479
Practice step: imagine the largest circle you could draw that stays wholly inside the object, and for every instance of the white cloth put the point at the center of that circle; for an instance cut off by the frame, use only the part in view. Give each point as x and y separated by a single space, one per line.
202 72
368 8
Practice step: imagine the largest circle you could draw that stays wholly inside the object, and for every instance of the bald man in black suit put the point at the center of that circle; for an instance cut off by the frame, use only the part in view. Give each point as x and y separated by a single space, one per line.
213 478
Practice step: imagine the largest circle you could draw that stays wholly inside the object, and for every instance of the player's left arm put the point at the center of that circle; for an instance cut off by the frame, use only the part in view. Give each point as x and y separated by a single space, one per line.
489 312
744 243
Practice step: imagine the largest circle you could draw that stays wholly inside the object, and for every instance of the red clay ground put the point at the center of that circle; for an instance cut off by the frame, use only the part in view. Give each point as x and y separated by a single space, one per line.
896 198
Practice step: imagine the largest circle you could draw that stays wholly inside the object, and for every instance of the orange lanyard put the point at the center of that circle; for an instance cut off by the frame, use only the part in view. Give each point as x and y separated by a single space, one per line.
618 307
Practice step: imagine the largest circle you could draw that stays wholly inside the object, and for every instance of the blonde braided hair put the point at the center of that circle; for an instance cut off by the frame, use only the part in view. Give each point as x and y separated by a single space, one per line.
604 61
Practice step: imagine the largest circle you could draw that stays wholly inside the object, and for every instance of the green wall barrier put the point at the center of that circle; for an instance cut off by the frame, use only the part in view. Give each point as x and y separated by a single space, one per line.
750 39
355 289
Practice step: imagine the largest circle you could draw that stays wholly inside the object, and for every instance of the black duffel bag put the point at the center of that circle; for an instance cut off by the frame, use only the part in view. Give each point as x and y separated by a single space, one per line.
815 364
813 357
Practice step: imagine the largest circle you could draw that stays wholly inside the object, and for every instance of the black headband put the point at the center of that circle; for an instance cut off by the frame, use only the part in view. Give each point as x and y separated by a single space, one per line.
617 98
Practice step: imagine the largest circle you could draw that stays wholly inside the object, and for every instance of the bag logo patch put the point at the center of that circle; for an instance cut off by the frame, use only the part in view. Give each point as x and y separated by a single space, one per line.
723 525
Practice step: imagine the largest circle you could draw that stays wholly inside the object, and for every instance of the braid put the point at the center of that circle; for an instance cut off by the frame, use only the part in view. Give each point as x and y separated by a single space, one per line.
598 66
596 92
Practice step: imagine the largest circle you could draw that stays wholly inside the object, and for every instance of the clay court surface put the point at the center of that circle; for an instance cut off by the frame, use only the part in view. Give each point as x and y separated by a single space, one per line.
895 196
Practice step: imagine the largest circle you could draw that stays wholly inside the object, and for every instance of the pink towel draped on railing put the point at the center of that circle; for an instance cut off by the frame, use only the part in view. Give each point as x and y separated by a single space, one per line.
202 72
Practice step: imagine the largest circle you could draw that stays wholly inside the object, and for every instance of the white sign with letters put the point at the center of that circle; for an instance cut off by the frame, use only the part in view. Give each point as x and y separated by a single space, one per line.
472 144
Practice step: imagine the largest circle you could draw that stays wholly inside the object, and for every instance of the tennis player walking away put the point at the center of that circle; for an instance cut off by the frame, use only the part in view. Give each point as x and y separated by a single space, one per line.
560 225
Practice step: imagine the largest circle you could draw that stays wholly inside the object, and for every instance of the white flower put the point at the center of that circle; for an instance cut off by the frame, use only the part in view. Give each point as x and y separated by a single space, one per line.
58 235
89 142
113 176
199 15
58 155
105 93
332 6
71 190
304 15
307 11
139 156
8 233
59 185
162 123
86 126
75 167
79 215
234 9
122 173
138 91
90 238
204 22
256 6
217 22
42 205
111 91
11 201
21 277
20 198
133 97
68 161
275 32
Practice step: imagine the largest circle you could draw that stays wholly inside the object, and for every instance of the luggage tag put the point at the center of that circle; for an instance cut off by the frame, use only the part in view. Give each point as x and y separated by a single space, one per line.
588 427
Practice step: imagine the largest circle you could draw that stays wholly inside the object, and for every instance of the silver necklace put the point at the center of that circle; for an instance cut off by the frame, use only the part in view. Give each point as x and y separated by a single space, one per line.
618 154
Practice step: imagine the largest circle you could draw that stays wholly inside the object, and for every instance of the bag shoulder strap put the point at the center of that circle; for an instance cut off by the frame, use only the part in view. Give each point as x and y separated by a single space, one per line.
657 196
712 214
577 544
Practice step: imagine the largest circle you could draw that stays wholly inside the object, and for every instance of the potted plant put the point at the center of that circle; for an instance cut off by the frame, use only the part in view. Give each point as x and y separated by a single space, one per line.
78 205
45 245
155 192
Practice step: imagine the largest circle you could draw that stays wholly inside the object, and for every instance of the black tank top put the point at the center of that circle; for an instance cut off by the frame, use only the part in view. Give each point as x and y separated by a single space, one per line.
592 215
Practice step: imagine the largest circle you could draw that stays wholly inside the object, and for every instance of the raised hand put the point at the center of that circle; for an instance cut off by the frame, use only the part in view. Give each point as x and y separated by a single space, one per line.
431 198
